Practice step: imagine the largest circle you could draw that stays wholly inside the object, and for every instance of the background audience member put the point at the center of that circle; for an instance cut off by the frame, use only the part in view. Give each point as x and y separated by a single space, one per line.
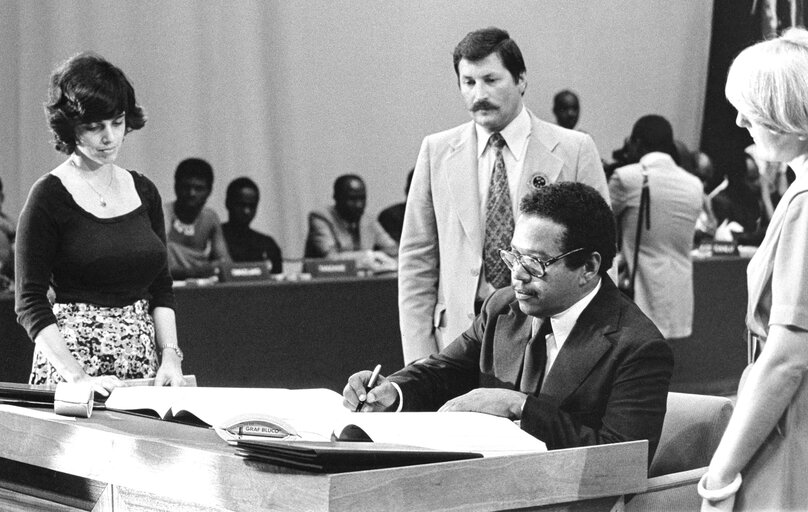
8 233
566 109
704 170
767 434
738 206
392 217
245 244
684 157
664 284
561 349
775 177
94 232
342 228
196 245
459 215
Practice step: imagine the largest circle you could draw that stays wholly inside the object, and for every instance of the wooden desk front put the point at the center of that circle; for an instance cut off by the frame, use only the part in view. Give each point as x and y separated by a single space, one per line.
116 461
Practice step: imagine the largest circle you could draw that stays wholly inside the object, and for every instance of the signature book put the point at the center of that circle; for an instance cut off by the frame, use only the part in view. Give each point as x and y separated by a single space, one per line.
311 429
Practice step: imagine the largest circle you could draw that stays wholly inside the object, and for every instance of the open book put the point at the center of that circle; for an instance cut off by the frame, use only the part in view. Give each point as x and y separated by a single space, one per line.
318 415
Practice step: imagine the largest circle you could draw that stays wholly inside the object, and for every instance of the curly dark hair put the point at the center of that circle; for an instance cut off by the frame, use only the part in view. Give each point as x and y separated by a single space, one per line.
84 89
588 220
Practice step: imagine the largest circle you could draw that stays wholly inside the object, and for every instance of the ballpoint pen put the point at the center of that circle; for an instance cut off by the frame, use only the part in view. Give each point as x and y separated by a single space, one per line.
369 386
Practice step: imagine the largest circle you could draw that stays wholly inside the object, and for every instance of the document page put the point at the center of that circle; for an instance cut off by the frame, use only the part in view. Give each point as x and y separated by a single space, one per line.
306 413
447 431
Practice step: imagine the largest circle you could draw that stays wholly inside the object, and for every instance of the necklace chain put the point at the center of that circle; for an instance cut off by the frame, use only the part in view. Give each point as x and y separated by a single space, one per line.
101 200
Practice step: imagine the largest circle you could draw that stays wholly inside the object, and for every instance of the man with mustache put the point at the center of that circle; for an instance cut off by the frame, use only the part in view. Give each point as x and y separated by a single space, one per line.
561 349
467 181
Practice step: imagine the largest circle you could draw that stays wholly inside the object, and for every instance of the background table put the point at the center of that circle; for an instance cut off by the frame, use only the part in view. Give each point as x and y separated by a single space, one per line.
316 333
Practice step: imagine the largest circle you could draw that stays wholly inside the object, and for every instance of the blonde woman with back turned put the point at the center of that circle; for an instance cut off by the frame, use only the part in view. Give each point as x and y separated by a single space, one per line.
762 460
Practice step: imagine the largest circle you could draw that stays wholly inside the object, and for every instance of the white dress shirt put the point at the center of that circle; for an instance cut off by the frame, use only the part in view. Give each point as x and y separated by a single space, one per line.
562 324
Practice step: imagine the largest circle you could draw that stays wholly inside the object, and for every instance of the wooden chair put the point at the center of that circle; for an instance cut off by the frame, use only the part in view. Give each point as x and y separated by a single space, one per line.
691 431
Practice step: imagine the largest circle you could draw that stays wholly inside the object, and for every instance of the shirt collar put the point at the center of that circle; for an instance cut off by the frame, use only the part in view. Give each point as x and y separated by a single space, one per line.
563 322
515 134
656 157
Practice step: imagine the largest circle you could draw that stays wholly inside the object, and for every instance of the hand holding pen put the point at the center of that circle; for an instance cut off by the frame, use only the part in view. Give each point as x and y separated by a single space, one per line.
369 391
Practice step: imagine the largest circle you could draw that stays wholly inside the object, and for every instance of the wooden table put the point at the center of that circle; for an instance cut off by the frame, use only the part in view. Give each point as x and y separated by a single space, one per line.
116 461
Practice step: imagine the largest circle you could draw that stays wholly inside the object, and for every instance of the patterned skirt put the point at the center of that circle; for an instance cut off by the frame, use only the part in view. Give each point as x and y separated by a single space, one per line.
104 340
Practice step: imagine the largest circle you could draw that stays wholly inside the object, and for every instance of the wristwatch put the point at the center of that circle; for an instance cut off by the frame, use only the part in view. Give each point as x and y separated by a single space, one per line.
173 347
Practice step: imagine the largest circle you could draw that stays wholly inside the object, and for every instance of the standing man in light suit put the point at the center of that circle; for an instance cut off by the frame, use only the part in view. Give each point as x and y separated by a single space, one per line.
467 183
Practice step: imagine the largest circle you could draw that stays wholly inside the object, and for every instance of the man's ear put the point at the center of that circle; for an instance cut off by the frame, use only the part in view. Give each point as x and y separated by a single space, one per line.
591 267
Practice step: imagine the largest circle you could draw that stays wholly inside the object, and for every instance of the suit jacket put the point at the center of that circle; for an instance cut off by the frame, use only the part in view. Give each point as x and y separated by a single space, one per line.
664 284
608 384
329 235
441 251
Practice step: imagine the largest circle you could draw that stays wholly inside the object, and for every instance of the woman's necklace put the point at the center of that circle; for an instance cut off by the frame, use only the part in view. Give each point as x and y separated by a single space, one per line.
101 200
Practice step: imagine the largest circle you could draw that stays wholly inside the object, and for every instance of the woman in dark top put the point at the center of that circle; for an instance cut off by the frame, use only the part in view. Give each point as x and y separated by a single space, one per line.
94 233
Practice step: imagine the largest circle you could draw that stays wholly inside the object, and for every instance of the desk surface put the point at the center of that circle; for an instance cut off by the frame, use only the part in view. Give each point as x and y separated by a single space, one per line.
183 467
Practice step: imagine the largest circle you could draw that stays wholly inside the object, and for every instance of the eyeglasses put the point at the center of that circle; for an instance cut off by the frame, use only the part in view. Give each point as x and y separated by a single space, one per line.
534 266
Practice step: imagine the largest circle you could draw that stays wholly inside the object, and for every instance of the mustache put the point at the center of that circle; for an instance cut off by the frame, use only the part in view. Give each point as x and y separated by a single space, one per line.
483 105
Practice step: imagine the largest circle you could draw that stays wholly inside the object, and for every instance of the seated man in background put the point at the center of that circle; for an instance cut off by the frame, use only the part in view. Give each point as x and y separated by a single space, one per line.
245 244
341 228
738 205
194 237
664 278
392 217
561 349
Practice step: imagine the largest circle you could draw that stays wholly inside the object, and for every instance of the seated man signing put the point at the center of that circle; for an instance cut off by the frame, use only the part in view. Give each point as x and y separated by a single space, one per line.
194 237
561 349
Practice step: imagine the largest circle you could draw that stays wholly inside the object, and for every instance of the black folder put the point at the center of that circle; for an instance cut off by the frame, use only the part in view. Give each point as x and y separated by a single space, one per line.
342 456
26 395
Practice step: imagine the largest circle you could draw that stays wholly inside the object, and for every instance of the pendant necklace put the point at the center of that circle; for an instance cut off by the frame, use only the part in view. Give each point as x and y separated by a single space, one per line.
101 200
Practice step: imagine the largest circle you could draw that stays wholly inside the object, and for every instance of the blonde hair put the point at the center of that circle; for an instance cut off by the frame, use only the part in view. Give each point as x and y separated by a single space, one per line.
768 82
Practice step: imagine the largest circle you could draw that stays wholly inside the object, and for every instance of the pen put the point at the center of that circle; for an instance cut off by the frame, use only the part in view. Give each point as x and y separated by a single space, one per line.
371 383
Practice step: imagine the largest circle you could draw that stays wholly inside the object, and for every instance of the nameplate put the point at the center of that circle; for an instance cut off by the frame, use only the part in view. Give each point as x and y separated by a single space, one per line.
251 271
725 248
330 268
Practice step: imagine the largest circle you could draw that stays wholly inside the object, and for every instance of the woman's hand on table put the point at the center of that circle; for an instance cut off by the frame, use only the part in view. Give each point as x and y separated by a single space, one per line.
170 371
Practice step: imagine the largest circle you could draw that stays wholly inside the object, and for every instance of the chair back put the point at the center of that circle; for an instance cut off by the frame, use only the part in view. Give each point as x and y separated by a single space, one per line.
692 428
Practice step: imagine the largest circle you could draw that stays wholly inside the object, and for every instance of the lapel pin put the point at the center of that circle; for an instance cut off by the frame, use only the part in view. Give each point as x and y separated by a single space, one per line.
538 181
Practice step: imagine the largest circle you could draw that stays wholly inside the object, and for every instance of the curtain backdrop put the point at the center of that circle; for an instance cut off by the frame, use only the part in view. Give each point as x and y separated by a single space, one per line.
295 93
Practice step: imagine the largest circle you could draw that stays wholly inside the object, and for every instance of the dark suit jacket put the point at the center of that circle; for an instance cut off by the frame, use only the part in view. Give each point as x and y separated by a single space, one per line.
608 384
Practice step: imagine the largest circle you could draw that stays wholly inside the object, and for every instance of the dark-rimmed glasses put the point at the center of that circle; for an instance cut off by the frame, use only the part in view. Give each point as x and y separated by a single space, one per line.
534 266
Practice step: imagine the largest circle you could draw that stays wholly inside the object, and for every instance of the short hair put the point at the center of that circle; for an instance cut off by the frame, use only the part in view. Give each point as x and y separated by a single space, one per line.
479 44
656 134
342 181
237 184
768 82
564 92
87 88
194 168
587 218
